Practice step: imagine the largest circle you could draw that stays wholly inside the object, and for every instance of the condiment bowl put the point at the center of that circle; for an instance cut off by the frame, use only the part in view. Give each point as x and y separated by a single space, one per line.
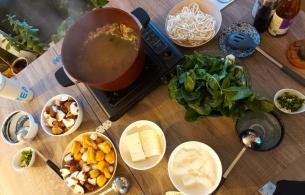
291 91
17 157
124 151
14 122
207 6
176 177
78 120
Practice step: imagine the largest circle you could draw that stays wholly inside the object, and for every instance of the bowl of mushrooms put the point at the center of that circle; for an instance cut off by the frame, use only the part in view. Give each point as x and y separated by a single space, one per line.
61 115
89 163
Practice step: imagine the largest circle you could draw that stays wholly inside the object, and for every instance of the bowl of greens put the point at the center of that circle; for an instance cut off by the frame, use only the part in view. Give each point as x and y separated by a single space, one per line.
210 85
24 159
290 101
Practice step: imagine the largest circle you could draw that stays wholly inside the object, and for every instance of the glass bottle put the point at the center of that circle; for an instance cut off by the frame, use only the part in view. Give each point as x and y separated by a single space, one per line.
265 10
283 16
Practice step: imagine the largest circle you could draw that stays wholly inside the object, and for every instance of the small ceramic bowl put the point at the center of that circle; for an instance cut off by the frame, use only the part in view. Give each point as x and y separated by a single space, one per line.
14 123
149 162
291 91
77 123
16 159
207 6
198 189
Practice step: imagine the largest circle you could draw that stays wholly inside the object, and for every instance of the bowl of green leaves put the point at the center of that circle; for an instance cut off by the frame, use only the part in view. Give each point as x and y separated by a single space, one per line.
290 101
24 159
209 85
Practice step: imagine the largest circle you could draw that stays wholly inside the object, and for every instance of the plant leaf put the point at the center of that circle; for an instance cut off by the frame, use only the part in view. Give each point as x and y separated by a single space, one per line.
189 84
190 115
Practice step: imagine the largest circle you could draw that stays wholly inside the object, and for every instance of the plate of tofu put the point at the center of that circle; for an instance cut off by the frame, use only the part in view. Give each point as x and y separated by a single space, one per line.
194 168
142 145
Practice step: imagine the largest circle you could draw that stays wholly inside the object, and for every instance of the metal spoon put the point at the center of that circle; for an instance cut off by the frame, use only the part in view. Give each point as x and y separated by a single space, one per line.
21 137
120 185
241 40
251 140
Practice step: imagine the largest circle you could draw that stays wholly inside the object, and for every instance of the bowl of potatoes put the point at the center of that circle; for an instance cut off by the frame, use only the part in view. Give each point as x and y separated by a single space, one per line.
89 163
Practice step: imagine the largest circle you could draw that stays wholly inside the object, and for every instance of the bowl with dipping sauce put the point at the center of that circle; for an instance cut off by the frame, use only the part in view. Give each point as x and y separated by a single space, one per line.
15 122
61 115
192 23
24 159
290 101
142 145
194 168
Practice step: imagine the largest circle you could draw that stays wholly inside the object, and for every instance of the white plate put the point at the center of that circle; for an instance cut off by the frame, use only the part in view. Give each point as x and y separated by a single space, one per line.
78 121
176 180
207 6
291 91
149 162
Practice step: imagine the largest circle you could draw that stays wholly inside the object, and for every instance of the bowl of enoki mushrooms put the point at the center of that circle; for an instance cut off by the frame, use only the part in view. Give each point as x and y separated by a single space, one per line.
192 23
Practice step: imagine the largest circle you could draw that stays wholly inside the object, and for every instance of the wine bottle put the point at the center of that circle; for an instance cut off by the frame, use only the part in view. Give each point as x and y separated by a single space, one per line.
283 16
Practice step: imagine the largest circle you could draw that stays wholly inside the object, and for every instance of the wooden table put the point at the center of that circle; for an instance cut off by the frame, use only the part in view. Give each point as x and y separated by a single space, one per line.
253 170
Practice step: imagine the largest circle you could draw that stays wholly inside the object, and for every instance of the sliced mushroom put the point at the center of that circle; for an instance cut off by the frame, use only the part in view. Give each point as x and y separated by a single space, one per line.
92 181
71 181
85 157
60 115
64 172
68 157
74 175
74 108
68 122
111 168
49 121
93 136
78 189
81 176
46 115
86 168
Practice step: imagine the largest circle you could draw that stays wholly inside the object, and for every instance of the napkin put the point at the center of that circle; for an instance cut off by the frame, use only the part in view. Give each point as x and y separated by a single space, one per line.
221 5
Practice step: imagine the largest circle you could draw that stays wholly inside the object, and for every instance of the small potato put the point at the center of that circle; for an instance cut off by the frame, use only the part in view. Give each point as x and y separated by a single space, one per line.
101 165
101 180
99 156
85 141
105 147
110 157
56 130
106 173
91 156
76 146
77 156
94 173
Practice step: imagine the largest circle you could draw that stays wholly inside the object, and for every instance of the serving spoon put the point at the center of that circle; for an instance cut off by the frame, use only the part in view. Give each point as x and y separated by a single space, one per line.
119 185
251 140
21 137
241 41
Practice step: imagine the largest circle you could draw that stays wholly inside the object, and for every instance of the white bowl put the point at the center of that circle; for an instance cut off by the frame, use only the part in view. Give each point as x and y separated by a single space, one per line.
8 128
79 138
198 190
207 6
149 162
17 157
292 91
78 121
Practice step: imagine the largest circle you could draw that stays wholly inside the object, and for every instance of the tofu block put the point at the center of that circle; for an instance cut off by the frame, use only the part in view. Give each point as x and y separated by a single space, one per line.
150 142
135 147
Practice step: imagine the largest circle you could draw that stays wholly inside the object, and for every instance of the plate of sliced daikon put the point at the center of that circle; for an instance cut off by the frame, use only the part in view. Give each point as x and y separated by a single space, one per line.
195 168
142 145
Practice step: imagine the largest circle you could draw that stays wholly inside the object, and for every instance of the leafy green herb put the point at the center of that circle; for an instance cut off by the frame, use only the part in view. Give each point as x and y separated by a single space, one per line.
214 86
290 102
98 3
25 158
26 36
